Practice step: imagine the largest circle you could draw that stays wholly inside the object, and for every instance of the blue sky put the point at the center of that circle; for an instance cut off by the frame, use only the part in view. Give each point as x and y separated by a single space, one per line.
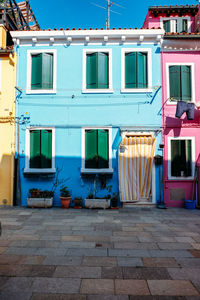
81 13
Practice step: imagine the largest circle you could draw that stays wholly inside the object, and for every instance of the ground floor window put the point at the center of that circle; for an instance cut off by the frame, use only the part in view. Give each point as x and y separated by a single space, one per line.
96 149
181 157
40 149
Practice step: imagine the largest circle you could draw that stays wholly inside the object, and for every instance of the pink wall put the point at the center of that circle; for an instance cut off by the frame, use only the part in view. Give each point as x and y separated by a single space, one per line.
151 21
174 127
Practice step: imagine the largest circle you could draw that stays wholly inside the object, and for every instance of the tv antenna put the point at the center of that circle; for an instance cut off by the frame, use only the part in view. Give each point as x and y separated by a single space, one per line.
108 8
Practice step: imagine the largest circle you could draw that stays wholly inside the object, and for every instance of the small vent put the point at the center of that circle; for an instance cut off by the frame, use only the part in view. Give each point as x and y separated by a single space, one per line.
177 194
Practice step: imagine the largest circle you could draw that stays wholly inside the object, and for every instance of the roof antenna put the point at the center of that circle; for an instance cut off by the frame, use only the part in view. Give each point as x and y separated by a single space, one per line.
108 8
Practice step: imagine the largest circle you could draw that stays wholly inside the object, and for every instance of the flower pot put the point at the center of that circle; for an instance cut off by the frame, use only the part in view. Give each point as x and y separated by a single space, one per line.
190 204
39 202
77 203
65 201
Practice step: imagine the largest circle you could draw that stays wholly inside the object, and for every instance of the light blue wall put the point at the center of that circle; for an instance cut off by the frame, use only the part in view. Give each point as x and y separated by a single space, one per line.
68 114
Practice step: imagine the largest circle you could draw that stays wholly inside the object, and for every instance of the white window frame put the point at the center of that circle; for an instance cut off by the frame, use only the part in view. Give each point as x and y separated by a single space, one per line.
84 82
86 170
29 71
149 66
192 139
173 23
27 159
192 82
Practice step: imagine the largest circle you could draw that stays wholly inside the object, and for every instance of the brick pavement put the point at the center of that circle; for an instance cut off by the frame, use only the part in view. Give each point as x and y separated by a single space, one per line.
126 254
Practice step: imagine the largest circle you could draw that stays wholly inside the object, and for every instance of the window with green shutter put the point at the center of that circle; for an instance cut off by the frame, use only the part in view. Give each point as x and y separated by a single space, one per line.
166 26
42 71
96 149
180 83
41 149
97 70
136 70
181 158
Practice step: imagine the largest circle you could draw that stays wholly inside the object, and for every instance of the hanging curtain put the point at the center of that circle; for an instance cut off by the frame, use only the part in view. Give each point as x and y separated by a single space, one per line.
135 166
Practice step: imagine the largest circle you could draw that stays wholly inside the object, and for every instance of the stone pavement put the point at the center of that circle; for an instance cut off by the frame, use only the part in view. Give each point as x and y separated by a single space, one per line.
131 253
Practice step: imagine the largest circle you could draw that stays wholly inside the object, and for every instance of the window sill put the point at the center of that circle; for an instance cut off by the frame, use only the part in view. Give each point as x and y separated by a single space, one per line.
41 91
96 171
174 102
181 178
97 91
148 90
39 171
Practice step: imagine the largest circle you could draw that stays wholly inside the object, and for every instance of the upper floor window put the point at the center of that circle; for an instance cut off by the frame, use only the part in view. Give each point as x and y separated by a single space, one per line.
41 73
180 82
176 24
97 71
136 70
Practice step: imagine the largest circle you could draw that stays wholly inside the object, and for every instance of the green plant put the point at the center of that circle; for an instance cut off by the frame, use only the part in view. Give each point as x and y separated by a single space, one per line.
78 201
64 192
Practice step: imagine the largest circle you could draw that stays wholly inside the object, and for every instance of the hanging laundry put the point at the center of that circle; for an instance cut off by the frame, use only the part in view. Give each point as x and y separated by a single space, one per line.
184 107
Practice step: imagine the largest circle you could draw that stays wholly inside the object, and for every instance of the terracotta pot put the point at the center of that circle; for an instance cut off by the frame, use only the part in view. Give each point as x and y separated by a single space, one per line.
65 202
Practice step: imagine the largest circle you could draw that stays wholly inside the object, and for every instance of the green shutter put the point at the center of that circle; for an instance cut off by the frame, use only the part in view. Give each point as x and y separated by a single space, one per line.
184 25
166 25
141 70
35 149
130 70
186 83
47 71
36 72
188 155
174 82
91 71
46 149
103 149
103 81
91 157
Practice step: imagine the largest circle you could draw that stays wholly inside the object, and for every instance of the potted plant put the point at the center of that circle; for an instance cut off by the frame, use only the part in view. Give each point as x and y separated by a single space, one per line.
78 202
114 201
39 198
65 197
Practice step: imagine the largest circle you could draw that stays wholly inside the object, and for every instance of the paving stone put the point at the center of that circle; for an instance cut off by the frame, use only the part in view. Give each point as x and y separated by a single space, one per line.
172 288
14 270
97 286
32 260
3 280
159 262
195 253
129 252
87 252
107 297
97 239
62 260
7 295
174 246
78 272
4 243
18 284
3 249
184 239
157 298
129 261
112 273
77 245
169 253
184 273
131 287
135 246
51 251
145 273
10 259
189 262
37 296
99 261
56 285
72 238
21 251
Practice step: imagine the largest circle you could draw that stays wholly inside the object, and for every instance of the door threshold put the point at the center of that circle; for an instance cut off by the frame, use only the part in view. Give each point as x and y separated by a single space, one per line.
138 204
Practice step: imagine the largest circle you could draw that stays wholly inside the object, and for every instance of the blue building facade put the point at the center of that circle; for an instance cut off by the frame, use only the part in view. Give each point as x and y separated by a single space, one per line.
86 96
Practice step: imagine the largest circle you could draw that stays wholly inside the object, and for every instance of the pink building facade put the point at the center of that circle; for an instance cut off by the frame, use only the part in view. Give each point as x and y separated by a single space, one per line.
180 61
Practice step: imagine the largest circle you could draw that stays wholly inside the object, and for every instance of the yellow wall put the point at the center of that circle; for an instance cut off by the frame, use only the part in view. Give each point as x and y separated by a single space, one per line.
7 126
